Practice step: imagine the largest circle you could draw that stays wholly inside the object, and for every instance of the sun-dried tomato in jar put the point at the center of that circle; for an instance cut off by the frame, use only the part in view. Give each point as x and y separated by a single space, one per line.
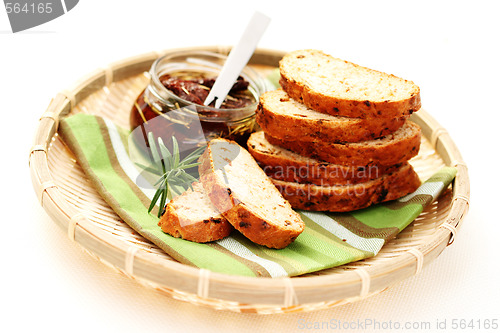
172 103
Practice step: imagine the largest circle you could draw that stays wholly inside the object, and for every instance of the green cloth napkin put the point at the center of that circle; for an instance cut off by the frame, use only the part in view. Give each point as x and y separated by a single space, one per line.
329 239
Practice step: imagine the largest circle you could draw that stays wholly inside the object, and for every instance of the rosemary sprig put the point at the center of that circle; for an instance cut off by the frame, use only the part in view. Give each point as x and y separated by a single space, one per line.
174 172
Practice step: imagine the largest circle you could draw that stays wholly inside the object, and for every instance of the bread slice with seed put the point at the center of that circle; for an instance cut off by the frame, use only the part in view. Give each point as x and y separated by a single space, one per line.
290 120
394 148
350 197
283 164
342 88
246 197
192 216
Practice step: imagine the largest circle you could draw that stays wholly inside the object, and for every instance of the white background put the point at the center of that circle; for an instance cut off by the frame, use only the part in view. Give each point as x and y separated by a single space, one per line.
449 48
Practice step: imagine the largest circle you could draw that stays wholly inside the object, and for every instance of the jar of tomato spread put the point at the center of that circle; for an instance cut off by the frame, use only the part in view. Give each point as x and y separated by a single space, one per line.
172 103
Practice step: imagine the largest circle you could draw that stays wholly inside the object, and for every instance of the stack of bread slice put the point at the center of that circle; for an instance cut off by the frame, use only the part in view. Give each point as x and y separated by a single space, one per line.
336 136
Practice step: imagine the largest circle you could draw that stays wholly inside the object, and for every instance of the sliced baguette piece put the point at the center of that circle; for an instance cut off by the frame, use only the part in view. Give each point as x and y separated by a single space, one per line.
350 197
192 216
392 149
246 197
341 88
288 119
283 164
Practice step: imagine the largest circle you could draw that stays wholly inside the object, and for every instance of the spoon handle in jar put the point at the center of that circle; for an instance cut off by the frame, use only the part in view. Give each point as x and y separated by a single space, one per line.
238 58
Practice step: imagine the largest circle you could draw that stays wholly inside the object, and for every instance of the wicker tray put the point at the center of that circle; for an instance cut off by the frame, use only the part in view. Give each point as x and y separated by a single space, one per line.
74 205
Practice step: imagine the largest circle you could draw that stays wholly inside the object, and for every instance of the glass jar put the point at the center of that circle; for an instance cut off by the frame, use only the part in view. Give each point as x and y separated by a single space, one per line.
166 114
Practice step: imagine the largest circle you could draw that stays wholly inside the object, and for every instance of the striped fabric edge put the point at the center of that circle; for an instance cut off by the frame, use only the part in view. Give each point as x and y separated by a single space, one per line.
397 214
351 237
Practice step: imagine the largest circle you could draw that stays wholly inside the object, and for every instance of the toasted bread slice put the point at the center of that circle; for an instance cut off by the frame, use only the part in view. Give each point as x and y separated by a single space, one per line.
350 197
392 149
246 197
283 164
192 216
290 120
341 88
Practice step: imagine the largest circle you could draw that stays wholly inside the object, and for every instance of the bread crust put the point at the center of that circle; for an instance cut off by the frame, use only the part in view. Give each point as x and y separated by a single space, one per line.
288 166
348 107
390 152
209 229
245 217
348 198
291 126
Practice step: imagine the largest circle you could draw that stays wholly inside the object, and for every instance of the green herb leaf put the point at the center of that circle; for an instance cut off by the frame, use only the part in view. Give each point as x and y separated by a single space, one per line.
174 176
155 170
152 147
176 154
165 153
187 166
155 198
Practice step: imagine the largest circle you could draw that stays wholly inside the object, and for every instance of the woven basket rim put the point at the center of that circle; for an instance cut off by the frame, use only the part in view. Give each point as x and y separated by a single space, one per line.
66 216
